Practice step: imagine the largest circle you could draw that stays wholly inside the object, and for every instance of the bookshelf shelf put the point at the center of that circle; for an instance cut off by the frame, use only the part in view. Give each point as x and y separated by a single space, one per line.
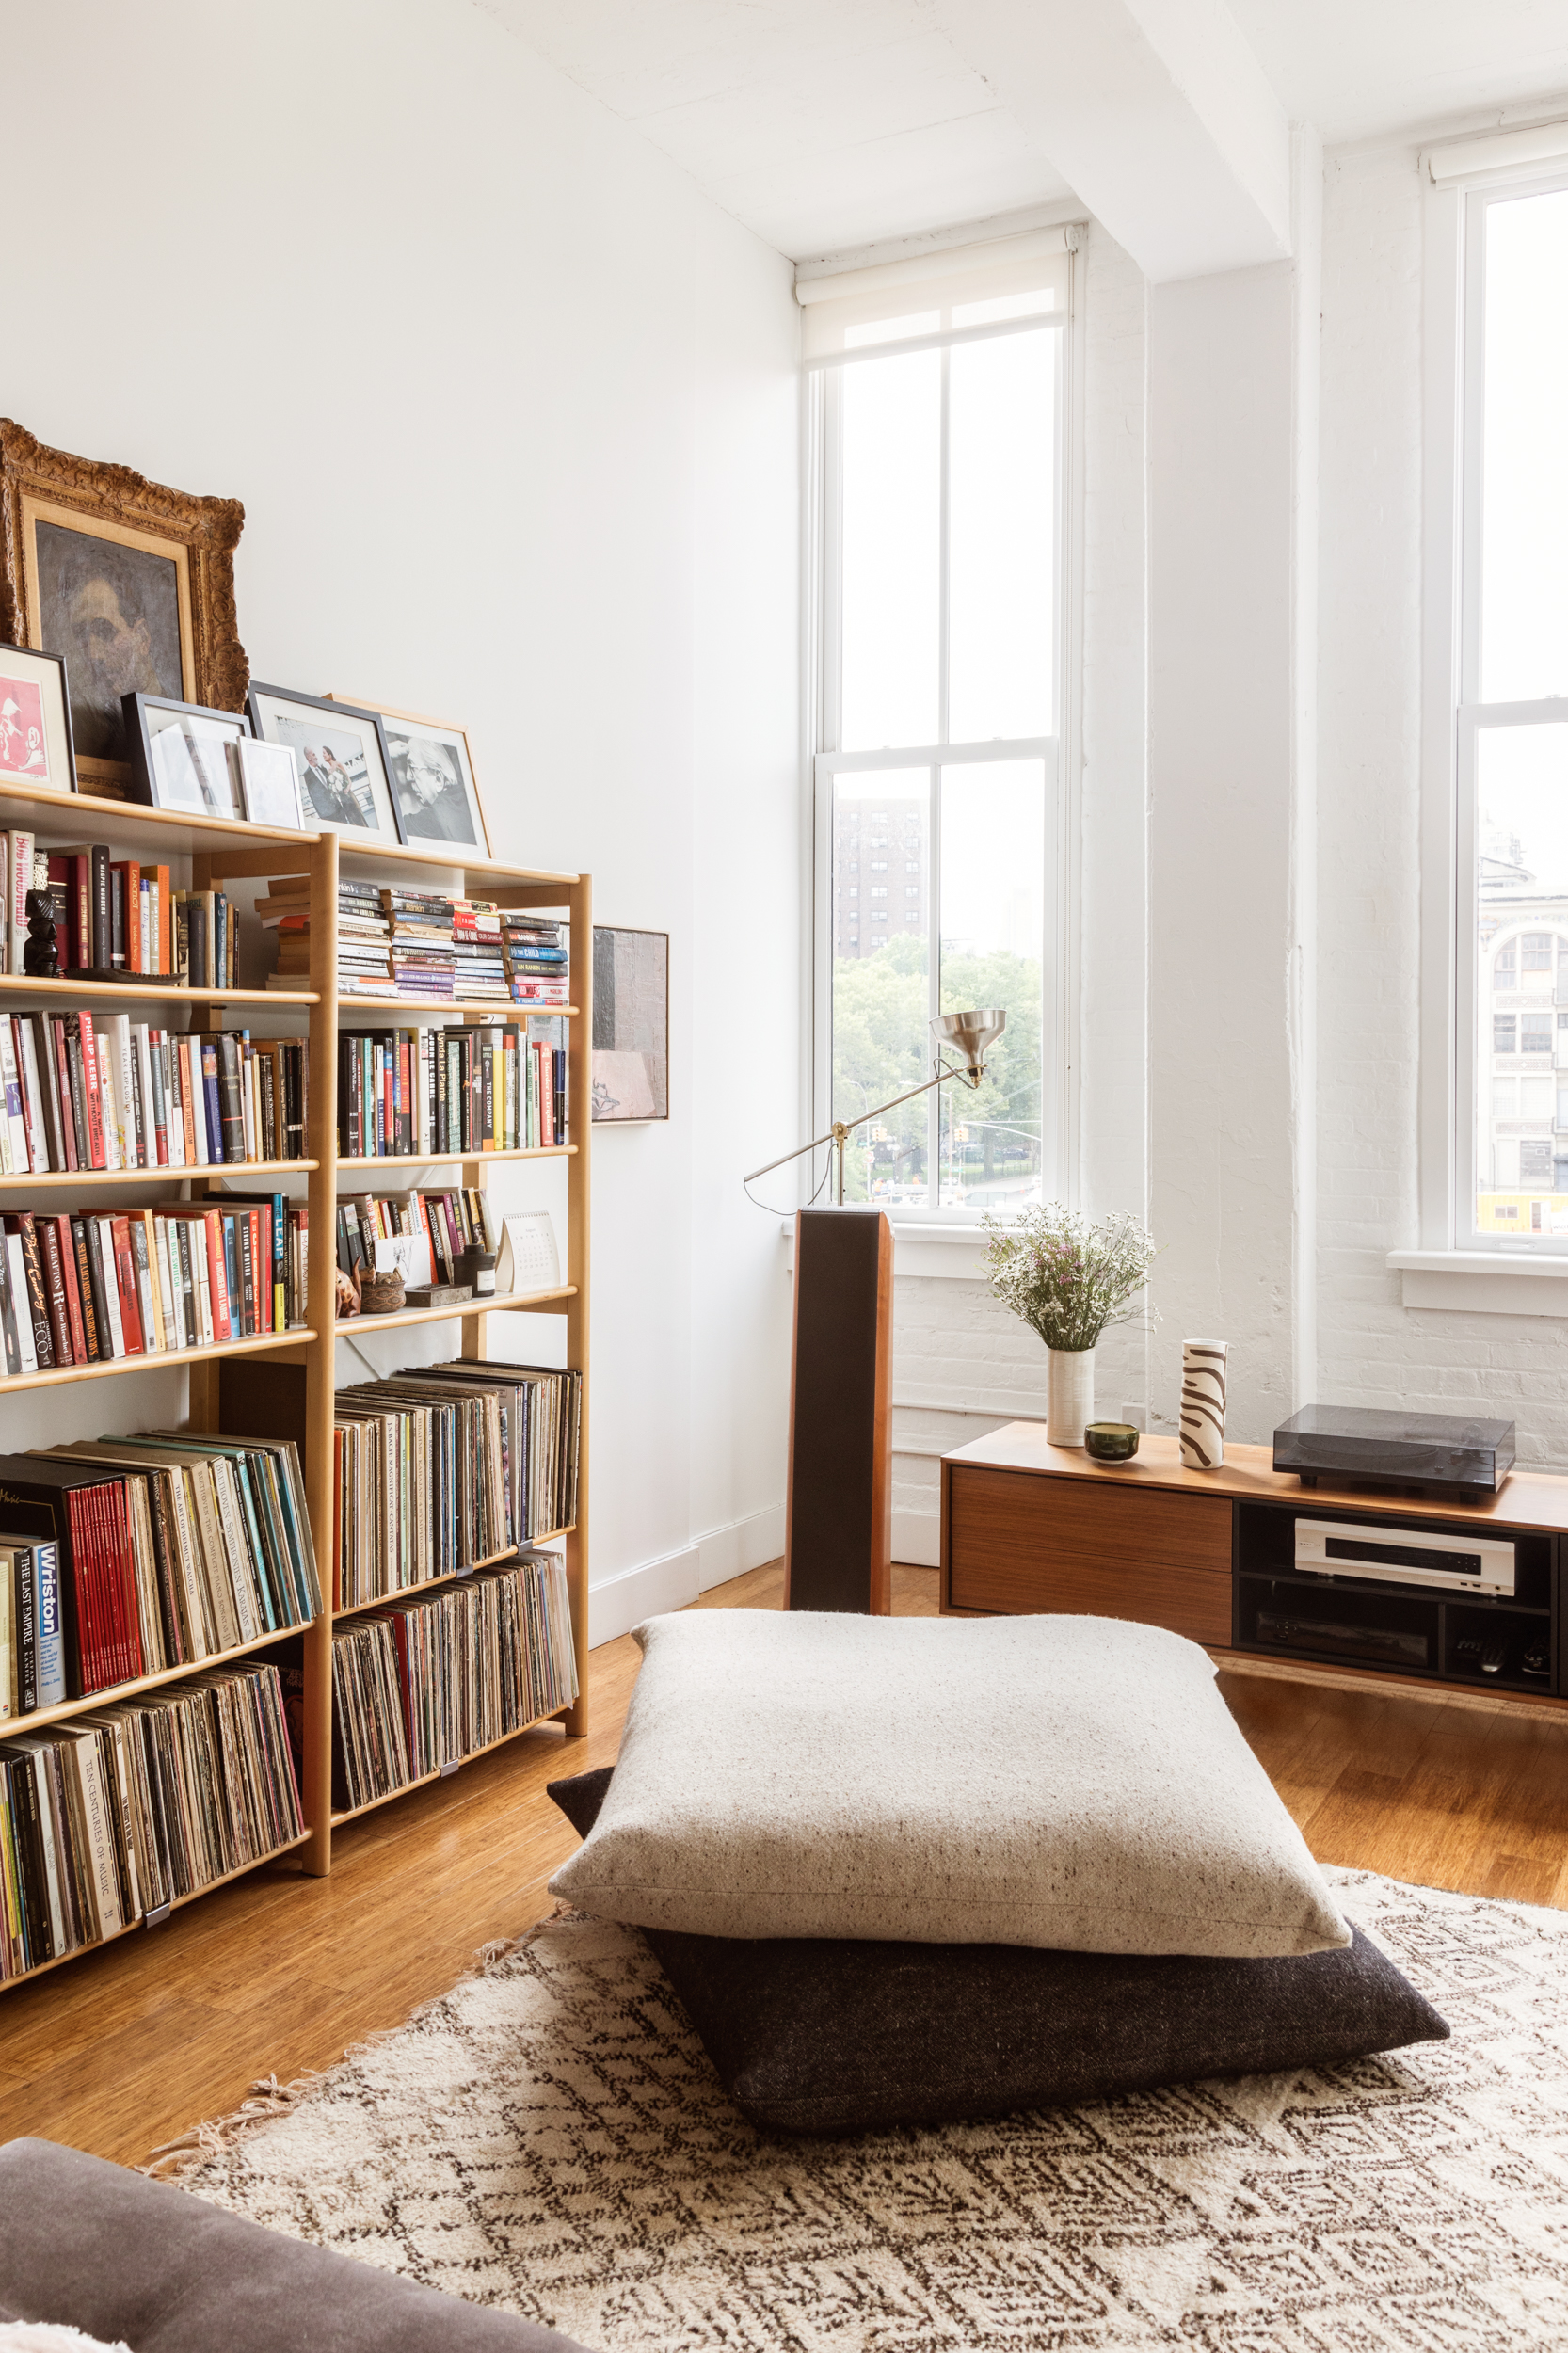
65 991
112 1693
177 1903
453 1577
160 1360
373 1805
14 1179
207 854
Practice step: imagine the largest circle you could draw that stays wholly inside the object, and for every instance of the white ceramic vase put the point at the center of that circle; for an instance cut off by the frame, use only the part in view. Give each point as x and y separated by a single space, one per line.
1070 1393
1203 1404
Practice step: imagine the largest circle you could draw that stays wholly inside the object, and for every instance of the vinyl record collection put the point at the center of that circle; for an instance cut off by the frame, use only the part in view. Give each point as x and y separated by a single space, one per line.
100 1285
113 1815
426 1683
442 1467
96 1090
124 1557
421 1093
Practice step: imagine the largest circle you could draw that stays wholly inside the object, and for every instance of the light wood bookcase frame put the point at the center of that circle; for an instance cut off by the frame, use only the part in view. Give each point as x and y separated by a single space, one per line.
206 854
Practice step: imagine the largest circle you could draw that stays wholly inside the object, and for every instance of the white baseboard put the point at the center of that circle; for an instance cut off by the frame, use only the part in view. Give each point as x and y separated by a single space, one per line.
742 1544
917 1538
676 1578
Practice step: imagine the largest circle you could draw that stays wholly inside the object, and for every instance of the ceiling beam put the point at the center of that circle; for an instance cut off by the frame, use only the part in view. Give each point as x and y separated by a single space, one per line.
1156 112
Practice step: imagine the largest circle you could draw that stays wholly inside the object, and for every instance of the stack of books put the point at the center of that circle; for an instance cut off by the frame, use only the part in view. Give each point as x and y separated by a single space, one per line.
124 1557
90 1089
420 943
476 951
114 1815
426 1683
95 1287
536 958
363 969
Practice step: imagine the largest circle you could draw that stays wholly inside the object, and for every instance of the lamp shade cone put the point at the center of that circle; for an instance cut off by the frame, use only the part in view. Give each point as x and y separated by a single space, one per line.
972 1033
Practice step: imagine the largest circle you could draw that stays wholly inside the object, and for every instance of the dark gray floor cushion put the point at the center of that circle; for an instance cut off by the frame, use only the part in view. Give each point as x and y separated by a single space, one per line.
103 2251
827 2036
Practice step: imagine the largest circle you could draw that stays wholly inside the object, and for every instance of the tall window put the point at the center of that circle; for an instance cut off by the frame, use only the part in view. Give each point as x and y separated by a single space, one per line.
1512 1141
939 406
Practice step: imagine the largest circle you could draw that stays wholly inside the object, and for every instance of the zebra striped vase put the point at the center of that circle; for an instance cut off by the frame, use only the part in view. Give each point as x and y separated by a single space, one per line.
1203 1404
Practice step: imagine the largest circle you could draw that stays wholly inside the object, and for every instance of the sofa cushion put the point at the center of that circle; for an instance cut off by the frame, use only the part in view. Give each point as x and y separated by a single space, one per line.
835 2036
1066 1782
117 2256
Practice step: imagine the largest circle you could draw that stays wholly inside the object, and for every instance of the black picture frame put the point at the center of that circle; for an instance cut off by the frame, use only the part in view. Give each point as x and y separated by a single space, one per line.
265 722
20 659
146 784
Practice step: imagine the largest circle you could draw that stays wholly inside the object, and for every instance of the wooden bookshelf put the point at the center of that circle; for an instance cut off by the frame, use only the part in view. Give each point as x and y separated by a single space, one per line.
205 854
453 1577
373 1805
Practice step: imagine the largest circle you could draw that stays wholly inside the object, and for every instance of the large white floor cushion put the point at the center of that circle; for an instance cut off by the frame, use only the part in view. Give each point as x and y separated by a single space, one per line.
1076 1783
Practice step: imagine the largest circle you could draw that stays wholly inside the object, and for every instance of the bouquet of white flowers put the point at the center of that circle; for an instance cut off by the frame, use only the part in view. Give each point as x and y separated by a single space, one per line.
1068 1279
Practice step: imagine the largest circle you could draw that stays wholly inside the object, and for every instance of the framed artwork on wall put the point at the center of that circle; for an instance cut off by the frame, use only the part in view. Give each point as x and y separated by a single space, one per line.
345 769
632 1026
432 778
131 582
180 755
36 745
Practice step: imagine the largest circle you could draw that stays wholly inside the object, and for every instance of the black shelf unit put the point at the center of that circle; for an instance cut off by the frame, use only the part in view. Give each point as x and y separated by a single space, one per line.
1431 1634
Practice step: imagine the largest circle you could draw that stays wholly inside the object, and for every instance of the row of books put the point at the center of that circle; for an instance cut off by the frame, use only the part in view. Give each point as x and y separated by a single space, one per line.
114 1815
125 1557
420 1093
431 1229
96 1286
115 915
441 1466
426 1683
419 944
96 1090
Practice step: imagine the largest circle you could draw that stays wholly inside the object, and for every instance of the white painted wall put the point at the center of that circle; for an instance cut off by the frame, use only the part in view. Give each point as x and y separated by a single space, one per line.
512 410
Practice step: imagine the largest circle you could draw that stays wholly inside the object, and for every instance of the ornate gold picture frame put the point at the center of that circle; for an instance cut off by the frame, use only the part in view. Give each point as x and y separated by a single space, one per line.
131 582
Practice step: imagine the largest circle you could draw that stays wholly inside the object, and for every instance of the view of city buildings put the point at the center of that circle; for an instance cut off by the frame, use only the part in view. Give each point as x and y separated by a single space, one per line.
1522 1049
880 856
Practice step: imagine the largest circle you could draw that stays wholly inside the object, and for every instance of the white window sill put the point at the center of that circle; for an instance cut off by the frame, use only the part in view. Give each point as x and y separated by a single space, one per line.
954 1250
1483 1282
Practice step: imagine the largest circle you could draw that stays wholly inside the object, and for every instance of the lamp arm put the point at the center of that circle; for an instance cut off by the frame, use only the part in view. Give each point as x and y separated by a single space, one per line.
841 1127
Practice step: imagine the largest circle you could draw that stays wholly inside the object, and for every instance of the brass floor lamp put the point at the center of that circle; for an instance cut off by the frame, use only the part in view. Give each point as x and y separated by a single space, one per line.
837 1539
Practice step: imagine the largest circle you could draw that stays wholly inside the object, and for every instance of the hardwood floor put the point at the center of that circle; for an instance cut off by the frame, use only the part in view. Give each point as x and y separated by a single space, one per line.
128 2047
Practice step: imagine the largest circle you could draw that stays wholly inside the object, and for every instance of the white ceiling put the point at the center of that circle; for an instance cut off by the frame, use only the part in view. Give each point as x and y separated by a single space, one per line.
825 125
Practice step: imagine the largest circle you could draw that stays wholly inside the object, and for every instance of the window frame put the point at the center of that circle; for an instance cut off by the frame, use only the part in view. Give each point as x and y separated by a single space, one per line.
1059 750
1455 1008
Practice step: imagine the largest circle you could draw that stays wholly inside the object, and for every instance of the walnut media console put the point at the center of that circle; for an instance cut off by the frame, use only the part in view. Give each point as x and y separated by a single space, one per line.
1028 1526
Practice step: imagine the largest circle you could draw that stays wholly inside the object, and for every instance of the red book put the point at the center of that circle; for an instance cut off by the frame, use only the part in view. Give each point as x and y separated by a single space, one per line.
130 1303
59 1226
123 1556
217 1276
91 1665
165 918
93 1093
62 1066
54 1285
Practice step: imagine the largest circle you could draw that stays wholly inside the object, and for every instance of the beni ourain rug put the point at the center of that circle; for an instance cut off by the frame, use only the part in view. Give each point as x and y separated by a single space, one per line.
548 2137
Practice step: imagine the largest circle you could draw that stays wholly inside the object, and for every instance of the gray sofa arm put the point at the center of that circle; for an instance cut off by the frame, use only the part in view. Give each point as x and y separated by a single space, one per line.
118 2256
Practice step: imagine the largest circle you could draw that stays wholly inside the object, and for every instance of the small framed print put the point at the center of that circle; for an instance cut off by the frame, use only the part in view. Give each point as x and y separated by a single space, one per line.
632 1026
345 768
432 780
36 746
180 755
267 775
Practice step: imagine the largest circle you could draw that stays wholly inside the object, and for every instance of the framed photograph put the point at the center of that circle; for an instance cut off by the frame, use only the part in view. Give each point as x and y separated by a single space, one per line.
36 745
180 755
632 1026
344 772
131 582
267 775
432 778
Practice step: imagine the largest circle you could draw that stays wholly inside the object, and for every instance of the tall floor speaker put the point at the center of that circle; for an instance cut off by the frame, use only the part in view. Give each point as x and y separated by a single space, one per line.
838 1541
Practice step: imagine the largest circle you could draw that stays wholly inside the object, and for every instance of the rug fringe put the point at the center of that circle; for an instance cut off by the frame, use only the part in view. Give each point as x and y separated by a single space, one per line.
268 2098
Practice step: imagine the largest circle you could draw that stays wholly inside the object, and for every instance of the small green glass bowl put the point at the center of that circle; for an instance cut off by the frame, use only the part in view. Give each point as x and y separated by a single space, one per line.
1111 1441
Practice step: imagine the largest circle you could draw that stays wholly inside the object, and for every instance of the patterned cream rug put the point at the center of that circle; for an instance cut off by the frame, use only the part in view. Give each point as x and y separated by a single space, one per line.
549 2138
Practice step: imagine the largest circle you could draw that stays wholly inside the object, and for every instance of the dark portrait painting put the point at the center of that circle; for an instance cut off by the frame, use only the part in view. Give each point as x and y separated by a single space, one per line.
114 612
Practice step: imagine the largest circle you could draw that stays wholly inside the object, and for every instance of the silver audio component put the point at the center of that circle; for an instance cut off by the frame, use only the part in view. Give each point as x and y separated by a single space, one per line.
1403 1555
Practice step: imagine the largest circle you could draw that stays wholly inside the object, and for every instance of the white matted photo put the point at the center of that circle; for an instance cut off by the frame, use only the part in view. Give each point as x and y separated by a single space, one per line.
344 777
432 778
267 775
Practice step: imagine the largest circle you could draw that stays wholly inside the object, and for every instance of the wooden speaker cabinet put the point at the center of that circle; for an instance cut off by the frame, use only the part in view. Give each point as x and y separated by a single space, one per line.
1031 1528
837 1540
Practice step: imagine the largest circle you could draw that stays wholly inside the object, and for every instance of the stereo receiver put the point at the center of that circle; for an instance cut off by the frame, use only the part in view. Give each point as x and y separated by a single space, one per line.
1403 1555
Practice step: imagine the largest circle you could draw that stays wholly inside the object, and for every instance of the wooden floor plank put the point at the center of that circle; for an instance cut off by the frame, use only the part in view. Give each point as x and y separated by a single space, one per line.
127 2047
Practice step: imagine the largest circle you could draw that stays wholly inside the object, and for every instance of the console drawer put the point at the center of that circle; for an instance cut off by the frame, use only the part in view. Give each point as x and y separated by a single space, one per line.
1023 1542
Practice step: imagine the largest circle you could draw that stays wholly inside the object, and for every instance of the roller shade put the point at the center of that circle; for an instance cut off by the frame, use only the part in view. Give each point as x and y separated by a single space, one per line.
1028 276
